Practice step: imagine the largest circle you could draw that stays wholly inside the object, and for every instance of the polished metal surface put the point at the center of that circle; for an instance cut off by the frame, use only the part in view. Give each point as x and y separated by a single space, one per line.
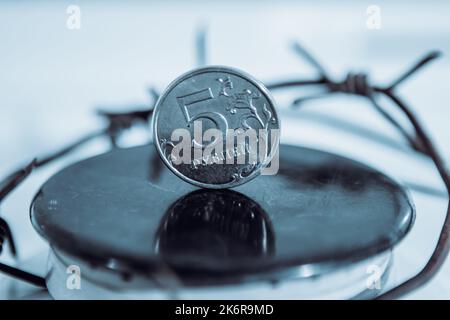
125 211
219 98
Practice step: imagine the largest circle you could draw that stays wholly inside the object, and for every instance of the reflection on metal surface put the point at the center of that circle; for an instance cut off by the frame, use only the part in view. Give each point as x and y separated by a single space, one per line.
215 223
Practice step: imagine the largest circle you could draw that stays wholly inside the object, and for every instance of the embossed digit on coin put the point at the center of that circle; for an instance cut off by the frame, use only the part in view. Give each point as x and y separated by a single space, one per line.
216 127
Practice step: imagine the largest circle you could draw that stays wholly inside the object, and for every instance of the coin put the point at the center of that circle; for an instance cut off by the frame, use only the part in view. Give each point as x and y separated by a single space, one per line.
216 127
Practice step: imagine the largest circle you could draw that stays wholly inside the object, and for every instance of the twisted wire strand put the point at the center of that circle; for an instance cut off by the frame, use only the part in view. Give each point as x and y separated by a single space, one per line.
116 124
357 84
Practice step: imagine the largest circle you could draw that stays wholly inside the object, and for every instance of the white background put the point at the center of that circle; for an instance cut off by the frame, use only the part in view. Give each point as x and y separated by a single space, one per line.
52 80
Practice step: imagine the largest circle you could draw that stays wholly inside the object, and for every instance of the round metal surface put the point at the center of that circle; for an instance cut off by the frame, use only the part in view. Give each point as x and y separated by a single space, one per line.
216 127
127 212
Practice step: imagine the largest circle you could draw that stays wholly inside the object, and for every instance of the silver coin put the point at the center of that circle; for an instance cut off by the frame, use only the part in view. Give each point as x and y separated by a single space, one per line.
216 127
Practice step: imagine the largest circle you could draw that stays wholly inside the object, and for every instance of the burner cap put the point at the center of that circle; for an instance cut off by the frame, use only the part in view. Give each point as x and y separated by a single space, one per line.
124 210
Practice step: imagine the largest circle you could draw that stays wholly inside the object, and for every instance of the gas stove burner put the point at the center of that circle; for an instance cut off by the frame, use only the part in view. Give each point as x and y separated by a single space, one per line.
135 230
343 282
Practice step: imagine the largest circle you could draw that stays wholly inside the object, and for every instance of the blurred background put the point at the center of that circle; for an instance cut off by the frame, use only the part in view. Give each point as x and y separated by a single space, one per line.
56 72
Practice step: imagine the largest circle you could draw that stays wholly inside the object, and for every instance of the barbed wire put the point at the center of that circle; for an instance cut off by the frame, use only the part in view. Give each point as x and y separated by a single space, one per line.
357 84
353 84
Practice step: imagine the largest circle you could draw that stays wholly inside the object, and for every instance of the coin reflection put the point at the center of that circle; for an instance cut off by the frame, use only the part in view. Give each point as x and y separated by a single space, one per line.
215 224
